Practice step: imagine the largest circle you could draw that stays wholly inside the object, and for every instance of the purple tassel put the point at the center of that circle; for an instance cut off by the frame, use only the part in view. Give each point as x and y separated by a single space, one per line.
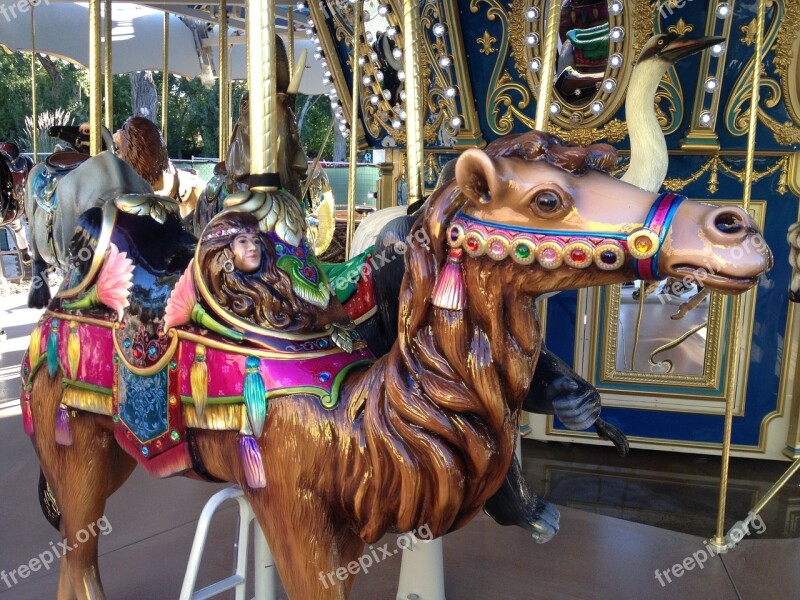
63 432
27 418
251 461
449 292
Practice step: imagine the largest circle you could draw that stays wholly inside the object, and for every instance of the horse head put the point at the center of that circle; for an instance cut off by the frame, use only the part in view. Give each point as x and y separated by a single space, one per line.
532 200
77 136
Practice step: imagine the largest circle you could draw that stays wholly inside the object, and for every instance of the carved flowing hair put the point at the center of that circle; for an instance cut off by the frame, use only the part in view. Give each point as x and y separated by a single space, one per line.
449 391
265 296
141 145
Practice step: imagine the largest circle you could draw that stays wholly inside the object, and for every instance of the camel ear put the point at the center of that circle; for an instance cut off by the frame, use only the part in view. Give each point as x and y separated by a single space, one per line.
476 175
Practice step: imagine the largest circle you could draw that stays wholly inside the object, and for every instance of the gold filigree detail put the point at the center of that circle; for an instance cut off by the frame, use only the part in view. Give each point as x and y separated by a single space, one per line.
750 31
487 41
613 132
681 27
715 164
787 61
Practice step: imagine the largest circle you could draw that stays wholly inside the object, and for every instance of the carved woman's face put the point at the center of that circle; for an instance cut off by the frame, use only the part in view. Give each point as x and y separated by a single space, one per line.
246 252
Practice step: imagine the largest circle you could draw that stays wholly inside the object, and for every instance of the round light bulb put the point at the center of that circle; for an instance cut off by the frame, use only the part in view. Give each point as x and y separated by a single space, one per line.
374 99
706 118
439 29
383 10
450 92
535 65
555 108
397 124
362 61
401 75
532 39
717 50
366 79
609 85
455 122
615 8
615 60
387 94
445 61
723 10
391 32
397 53
597 107
532 13
617 34
712 84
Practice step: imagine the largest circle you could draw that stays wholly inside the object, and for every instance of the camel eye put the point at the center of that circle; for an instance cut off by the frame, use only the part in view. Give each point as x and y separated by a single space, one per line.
547 201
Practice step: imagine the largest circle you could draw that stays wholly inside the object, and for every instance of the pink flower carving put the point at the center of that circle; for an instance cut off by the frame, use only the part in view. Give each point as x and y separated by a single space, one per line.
115 280
181 301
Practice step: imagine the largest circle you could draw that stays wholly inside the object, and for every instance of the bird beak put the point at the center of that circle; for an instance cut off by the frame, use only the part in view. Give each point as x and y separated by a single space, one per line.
681 47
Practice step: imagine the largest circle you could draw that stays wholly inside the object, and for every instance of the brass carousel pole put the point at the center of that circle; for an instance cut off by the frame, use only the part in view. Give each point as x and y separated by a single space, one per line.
358 7
263 88
718 540
95 80
423 569
548 65
224 82
165 79
109 81
34 112
290 39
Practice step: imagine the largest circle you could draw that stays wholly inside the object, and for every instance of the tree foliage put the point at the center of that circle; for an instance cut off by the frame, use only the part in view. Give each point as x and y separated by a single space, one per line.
193 110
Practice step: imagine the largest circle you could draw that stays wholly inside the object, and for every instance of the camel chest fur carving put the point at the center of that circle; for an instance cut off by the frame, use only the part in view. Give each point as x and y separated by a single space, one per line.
422 436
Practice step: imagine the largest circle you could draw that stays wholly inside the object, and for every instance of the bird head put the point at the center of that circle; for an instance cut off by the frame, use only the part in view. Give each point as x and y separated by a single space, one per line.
672 47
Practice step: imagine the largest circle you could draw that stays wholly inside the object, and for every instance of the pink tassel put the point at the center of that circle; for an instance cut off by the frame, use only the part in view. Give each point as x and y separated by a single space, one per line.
449 293
251 461
63 432
27 418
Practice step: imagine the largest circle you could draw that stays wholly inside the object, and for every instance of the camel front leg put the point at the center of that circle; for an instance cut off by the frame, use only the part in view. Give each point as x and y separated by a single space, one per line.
304 544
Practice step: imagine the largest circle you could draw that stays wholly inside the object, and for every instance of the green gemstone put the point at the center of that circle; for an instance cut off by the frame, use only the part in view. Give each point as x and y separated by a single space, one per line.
174 435
115 418
116 358
523 251
173 365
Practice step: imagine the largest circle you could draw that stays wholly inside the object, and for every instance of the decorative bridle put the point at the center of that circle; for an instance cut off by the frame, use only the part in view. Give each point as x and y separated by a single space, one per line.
552 248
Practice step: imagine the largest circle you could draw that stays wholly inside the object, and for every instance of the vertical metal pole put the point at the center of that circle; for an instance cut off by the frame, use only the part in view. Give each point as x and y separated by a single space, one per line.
109 81
165 80
263 88
34 111
95 80
290 38
358 8
414 92
719 538
548 64
224 81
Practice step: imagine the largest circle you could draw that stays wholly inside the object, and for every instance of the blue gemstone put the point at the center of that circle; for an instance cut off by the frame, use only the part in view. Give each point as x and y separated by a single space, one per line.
279 248
152 349
608 257
324 377
145 451
324 343
127 342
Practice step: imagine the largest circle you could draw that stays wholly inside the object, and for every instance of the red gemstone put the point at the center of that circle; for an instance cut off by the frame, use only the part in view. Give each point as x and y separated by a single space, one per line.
578 255
472 244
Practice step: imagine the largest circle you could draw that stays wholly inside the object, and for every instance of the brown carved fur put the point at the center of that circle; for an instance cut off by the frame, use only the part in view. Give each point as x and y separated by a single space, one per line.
141 145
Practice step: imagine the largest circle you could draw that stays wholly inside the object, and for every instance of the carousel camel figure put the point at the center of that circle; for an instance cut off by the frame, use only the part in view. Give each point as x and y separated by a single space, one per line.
248 358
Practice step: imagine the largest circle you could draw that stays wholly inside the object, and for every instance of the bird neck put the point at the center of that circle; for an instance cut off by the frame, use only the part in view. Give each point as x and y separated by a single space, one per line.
649 159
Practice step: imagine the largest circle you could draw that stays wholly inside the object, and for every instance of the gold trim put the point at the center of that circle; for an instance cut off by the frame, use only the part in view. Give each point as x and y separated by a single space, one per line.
352 180
250 351
95 80
225 417
787 59
88 400
79 319
109 219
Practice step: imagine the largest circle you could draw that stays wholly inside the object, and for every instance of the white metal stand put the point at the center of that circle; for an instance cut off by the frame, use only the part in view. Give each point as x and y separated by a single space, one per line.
422 572
265 575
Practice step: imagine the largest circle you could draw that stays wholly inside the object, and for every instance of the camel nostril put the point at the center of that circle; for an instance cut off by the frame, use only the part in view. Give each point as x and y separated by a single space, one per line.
729 223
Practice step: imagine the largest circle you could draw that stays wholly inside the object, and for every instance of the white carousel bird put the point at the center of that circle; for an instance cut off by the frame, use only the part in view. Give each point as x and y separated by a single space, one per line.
649 159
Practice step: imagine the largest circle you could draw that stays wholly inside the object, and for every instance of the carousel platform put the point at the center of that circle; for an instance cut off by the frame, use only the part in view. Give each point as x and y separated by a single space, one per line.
600 552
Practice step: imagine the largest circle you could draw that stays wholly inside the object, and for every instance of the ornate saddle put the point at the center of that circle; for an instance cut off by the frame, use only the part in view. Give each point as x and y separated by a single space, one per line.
110 333
46 180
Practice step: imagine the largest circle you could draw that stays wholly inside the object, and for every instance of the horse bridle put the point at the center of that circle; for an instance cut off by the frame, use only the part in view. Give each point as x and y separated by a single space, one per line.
552 248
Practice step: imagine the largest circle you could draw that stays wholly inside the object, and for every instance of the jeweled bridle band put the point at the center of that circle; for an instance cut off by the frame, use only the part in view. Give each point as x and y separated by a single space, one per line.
552 248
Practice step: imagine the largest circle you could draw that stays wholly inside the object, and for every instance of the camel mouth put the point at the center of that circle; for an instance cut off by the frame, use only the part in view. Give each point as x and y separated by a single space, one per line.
716 281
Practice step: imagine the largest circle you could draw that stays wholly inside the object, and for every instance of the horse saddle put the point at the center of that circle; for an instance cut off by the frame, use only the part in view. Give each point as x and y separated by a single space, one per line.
46 181
574 83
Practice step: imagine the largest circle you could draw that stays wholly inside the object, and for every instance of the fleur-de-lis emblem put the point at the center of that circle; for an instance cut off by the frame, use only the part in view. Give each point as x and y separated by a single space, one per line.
487 41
